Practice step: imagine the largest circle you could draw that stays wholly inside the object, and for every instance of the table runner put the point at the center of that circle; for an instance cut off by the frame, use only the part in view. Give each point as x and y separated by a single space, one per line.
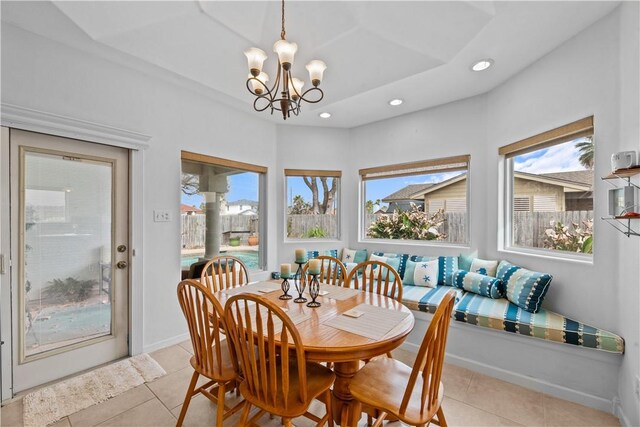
338 293
252 288
375 323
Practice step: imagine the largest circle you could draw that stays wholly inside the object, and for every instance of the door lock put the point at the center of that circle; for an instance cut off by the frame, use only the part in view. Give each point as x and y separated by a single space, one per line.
121 248
121 264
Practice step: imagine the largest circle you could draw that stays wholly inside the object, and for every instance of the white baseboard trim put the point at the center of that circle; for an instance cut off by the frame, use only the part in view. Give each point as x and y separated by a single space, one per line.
525 381
165 343
618 411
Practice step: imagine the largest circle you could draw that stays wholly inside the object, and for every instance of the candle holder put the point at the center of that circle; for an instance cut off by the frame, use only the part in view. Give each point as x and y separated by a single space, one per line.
299 283
285 289
314 291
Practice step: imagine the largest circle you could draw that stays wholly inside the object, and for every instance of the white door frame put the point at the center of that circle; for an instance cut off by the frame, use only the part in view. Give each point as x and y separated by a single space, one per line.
17 117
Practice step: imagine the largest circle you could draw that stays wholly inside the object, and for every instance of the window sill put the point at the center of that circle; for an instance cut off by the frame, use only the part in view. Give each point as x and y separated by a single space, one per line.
549 255
428 243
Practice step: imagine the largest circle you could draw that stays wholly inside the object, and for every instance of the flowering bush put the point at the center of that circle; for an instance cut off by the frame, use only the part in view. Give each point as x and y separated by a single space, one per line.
578 238
413 224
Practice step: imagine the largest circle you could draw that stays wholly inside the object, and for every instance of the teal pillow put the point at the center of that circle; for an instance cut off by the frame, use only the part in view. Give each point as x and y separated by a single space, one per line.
361 256
447 265
524 288
392 261
464 261
477 283
409 269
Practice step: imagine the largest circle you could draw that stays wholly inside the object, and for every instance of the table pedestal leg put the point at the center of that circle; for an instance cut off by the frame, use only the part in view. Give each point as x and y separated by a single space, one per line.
343 413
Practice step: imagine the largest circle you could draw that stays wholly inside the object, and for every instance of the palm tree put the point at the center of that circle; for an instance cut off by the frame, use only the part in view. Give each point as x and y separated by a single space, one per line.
586 152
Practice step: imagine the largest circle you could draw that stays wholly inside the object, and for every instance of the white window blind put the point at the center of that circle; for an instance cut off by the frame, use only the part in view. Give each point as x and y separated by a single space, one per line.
544 203
522 204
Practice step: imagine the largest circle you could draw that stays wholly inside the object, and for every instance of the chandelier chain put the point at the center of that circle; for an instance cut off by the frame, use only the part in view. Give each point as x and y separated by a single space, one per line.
283 32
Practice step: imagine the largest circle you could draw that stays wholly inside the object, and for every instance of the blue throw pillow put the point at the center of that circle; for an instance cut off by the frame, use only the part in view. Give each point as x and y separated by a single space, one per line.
447 265
315 254
392 261
478 284
410 268
524 288
402 257
464 261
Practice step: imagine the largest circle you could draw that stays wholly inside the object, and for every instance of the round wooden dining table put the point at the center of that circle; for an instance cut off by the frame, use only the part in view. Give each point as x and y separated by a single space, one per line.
324 343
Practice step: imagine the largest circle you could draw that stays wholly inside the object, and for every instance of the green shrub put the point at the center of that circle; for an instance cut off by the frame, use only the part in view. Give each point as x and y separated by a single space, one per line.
71 289
578 238
316 232
413 224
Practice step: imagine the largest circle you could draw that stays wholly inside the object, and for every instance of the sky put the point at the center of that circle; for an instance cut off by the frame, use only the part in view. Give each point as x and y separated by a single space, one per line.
559 158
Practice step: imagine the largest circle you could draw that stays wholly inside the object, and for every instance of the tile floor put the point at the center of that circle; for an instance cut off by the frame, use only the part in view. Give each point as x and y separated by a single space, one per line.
471 399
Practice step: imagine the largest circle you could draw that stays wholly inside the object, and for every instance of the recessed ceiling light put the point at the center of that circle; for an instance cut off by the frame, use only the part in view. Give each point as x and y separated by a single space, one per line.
325 115
482 65
395 102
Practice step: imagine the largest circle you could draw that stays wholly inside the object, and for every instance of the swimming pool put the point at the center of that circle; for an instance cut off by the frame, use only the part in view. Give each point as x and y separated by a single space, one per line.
250 258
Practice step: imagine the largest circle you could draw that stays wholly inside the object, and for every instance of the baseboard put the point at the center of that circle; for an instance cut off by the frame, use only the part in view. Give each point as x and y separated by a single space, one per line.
618 411
525 381
165 343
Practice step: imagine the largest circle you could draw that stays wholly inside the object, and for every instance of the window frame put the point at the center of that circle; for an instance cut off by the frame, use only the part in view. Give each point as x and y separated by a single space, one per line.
442 161
262 172
287 173
560 135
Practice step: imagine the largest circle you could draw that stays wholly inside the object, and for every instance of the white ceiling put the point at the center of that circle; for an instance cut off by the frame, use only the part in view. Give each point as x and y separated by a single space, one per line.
420 51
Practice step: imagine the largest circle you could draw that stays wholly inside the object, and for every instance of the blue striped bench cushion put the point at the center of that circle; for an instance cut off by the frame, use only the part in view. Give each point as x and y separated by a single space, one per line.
425 299
503 315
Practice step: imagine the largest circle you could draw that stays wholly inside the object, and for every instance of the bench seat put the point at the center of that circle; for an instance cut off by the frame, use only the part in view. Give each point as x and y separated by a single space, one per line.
502 315
422 298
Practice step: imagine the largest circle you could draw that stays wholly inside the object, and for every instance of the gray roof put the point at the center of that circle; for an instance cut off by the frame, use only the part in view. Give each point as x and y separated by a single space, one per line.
406 192
579 177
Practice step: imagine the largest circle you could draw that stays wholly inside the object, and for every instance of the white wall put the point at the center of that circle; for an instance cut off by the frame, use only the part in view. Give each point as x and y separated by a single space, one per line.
629 248
47 76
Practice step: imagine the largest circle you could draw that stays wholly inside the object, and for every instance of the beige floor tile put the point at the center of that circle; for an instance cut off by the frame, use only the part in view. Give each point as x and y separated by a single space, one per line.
96 414
151 413
187 346
202 411
460 414
560 412
11 414
172 388
456 381
62 423
172 358
489 394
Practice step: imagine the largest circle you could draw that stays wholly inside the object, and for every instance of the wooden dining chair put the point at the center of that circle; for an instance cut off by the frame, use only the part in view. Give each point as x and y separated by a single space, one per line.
376 277
213 357
414 396
224 272
332 271
277 378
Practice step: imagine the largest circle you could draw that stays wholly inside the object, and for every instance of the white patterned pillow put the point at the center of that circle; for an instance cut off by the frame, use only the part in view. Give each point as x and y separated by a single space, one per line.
485 267
348 255
426 273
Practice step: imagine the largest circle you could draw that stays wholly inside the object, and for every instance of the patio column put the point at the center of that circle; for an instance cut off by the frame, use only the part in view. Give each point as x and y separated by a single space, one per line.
217 187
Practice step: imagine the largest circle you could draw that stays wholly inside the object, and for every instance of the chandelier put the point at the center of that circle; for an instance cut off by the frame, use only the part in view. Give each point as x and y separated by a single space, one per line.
286 94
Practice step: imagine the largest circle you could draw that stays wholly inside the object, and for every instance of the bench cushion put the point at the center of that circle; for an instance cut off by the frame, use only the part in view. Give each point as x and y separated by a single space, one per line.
503 315
426 299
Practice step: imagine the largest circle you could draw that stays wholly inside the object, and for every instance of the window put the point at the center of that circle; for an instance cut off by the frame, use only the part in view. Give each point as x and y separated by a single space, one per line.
312 210
550 190
221 205
417 201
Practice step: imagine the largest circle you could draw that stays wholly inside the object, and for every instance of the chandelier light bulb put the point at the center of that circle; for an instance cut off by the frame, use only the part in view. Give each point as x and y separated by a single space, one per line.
316 70
286 52
295 88
255 58
255 85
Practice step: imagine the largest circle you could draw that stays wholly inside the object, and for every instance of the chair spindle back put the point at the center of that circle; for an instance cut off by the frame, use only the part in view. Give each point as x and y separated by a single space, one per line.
224 272
332 271
382 280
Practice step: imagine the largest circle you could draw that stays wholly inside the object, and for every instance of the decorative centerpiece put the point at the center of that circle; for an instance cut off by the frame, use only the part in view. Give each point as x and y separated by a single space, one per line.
314 284
301 259
285 274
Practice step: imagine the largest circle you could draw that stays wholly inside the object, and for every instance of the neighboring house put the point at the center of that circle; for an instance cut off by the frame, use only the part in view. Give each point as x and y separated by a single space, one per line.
190 210
401 200
241 207
551 192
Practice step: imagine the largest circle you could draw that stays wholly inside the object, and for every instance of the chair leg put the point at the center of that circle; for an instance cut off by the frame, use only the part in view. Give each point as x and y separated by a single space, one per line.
369 420
220 414
329 409
286 422
245 414
441 419
187 398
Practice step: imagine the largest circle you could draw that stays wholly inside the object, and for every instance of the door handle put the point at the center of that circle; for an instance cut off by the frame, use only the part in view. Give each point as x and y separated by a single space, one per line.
121 264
